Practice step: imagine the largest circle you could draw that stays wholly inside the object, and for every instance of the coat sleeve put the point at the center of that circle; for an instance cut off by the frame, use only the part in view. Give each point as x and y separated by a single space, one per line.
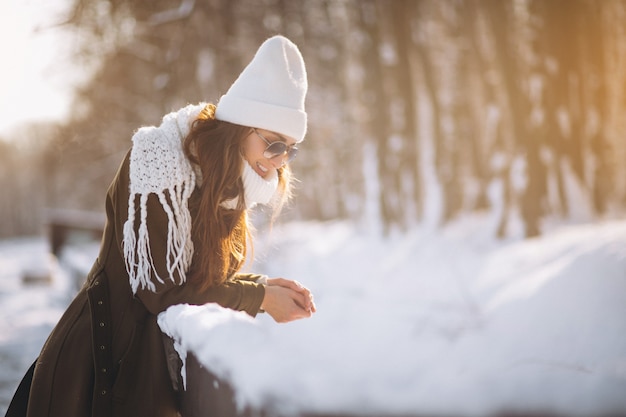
240 292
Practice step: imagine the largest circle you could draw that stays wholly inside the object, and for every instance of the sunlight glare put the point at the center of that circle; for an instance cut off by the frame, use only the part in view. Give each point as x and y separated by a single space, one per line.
30 89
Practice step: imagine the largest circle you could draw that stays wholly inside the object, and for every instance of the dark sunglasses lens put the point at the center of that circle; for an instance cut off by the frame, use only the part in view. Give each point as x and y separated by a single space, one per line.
291 154
279 148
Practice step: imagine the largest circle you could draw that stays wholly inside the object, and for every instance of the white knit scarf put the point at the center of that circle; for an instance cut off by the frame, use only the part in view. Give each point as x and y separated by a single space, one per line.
159 166
256 189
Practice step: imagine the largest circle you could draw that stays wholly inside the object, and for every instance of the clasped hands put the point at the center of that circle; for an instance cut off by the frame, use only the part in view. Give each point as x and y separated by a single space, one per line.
286 300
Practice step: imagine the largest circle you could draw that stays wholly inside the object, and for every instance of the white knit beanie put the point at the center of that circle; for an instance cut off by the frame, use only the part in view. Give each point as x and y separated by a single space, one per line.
270 91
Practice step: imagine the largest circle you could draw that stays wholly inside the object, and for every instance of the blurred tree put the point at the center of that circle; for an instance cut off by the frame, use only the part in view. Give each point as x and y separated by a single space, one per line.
457 105
24 180
380 106
402 19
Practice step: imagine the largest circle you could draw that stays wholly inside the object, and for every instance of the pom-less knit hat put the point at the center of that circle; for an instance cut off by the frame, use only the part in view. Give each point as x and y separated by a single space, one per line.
270 91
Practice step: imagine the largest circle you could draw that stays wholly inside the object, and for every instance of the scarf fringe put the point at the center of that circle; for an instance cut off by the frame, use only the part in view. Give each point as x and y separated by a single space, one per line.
158 166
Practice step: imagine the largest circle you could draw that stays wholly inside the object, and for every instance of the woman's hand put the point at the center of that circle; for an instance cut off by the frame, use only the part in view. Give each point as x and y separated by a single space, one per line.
286 300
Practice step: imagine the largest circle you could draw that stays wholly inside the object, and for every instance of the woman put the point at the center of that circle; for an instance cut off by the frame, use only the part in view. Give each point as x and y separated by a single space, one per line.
177 232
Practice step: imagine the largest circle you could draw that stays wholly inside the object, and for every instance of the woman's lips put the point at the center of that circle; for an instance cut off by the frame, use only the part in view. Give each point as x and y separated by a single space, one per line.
261 170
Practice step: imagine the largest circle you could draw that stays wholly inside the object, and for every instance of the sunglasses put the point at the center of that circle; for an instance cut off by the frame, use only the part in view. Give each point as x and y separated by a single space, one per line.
277 148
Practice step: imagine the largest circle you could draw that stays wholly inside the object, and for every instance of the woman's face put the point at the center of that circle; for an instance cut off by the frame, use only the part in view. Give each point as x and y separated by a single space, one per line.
254 146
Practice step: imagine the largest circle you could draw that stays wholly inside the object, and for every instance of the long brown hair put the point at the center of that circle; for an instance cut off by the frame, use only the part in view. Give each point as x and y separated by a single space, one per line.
222 236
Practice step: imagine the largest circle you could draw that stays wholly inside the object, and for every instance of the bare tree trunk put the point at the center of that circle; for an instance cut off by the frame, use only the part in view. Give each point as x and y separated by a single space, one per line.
377 101
403 14
430 84
501 19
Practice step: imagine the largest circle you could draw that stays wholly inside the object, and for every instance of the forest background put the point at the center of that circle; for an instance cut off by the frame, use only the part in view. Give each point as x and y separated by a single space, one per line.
419 110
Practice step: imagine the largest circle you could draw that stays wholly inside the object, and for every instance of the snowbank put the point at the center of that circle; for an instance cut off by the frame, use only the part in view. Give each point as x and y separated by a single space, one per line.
29 308
447 323
35 289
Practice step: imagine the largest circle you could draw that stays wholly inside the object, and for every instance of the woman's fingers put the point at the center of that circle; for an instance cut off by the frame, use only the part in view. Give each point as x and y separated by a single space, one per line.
285 304
306 298
287 283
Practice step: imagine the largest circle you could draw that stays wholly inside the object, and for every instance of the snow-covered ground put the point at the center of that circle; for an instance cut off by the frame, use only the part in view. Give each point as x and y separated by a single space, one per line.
425 322
29 310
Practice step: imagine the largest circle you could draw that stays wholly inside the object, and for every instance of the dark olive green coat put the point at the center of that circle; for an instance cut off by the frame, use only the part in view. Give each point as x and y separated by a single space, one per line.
106 355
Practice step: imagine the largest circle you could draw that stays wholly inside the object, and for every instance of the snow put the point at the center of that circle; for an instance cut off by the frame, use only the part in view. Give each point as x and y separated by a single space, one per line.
432 323
448 321
29 311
